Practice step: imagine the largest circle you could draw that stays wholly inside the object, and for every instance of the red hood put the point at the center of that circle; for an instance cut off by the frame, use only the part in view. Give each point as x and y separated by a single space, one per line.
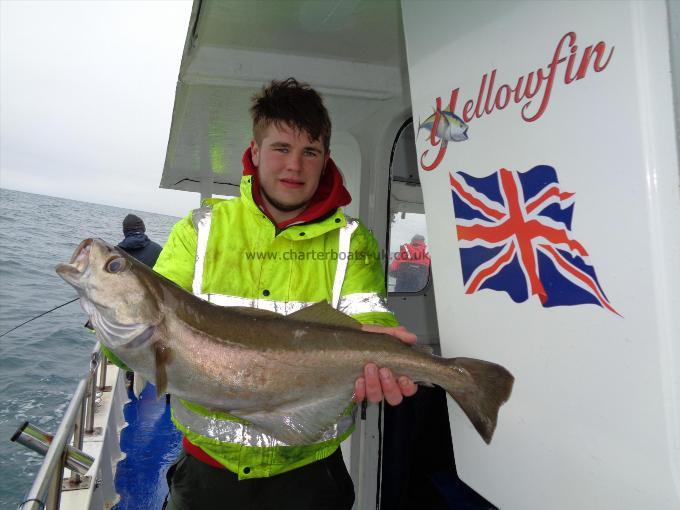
330 194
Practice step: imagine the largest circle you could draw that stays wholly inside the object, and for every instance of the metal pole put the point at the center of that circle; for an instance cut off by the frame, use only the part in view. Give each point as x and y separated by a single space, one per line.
103 362
78 427
78 439
92 380
55 455
54 491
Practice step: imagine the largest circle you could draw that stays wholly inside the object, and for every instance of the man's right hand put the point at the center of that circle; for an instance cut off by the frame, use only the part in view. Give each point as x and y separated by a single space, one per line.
378 384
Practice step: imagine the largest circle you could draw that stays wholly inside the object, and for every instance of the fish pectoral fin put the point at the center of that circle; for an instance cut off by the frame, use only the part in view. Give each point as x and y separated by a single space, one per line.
305 422
138 384
323 313
163 356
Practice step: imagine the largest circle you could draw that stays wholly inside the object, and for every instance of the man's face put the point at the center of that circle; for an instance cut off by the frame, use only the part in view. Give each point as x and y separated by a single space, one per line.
289 168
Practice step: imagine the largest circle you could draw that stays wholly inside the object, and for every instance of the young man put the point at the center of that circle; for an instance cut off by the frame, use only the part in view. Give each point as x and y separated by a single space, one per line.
282 245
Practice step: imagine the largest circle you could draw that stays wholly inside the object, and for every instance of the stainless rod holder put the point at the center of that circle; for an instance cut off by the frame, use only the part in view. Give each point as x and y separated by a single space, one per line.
39 441
55 455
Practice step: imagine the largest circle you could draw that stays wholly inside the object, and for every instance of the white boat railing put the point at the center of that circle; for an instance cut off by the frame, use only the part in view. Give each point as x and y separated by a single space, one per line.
78 423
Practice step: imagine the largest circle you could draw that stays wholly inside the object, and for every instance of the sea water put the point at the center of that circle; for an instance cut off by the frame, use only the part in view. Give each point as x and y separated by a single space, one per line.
42 362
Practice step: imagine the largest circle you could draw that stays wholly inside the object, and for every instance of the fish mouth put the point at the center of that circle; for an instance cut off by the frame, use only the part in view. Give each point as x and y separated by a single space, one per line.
79 263
462 136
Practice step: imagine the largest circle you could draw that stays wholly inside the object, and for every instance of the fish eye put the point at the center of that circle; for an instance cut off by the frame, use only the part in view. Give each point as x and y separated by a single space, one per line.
115 265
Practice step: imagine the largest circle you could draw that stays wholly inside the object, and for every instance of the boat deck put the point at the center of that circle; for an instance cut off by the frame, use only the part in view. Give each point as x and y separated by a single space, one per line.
151 444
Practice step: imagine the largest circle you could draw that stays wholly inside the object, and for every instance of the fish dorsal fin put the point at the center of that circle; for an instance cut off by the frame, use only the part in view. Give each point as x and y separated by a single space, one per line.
323 313
256 313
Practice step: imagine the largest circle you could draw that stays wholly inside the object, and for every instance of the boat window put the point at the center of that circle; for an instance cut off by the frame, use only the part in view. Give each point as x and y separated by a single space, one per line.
409 260
404 159
409 268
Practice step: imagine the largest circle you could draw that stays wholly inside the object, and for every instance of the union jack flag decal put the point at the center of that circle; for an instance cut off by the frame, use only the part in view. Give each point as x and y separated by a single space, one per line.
514 233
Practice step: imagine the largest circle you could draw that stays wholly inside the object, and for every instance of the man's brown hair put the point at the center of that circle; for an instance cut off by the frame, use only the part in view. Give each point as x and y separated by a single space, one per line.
293 103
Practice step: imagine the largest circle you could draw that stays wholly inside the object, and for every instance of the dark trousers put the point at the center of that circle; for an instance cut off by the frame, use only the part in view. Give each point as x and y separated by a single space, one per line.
322 485
416 451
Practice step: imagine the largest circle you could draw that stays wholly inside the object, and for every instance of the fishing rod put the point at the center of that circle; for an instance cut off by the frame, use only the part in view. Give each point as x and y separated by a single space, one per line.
38 316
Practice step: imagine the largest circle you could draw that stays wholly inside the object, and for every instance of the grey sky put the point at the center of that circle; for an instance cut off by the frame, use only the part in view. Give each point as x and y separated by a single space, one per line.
86 96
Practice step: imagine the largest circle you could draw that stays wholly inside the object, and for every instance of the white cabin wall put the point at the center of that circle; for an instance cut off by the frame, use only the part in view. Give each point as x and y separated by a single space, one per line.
593 419
376 138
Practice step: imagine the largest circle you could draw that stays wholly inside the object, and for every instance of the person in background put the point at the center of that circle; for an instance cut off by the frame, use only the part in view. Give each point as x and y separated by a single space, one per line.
137 243
411 266
291 198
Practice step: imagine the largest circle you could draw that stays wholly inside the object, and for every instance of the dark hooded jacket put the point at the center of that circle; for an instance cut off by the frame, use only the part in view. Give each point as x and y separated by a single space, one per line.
141 247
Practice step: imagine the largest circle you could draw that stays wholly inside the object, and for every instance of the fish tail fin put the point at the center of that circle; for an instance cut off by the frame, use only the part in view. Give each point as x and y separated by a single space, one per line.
487 387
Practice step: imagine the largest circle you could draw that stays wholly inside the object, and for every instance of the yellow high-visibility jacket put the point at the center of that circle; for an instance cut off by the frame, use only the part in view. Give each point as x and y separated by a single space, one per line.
231 254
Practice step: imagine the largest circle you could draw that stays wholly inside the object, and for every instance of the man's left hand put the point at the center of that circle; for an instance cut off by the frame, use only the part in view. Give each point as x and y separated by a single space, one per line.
379 383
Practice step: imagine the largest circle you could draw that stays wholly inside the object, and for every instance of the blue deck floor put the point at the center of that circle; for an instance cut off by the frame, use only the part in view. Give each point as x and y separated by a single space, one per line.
151 443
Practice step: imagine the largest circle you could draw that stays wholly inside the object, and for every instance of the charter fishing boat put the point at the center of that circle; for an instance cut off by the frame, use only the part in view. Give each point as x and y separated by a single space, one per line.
533 147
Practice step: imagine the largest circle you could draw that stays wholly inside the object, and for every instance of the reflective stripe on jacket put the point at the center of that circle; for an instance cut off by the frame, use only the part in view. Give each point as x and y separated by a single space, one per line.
230 254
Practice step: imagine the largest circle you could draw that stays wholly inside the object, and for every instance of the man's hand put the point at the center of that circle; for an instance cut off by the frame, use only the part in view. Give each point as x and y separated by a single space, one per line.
377 384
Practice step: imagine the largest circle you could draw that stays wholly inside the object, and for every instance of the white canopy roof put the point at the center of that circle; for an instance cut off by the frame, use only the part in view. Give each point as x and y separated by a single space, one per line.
350 51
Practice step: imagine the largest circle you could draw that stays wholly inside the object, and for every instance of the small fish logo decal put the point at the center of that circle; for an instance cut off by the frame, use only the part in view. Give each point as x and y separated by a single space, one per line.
446 125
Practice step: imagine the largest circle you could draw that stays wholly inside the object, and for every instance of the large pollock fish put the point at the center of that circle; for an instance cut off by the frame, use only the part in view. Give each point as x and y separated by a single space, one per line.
291 376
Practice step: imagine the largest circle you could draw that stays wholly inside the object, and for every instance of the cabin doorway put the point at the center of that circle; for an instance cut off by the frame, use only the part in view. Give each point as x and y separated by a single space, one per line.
417 461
